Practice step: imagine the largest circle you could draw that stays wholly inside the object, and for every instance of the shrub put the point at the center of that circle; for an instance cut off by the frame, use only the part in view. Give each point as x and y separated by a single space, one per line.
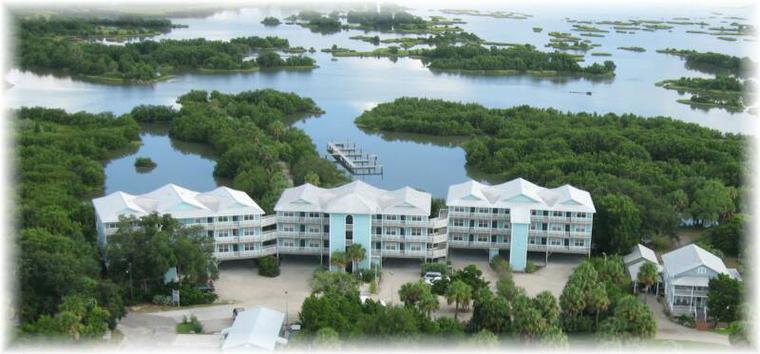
269 266
501 267
373 286
368 275
685 320
189 295
442 268
738 333
163 300
530 267
191 325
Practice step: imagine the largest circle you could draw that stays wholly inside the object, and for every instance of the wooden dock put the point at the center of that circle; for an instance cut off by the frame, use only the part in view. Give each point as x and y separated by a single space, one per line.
353 159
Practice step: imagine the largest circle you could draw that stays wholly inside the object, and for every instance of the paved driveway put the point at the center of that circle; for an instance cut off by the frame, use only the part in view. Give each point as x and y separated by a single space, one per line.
669 330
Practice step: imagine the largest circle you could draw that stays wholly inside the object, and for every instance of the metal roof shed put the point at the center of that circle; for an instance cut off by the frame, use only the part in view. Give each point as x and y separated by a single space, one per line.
254 330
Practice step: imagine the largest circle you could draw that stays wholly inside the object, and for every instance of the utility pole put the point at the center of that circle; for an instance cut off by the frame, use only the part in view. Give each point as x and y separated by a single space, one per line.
286 308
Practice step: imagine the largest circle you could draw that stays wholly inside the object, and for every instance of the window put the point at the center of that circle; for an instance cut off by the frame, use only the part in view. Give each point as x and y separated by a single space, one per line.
532 240
415 247
458 222
223 233
582 215
555 242
210 233
483 223
313 215
391 217
533 212
314 229
459 209
223 248
235 218
457 237
210 220
249 231
701 270
416 231
288 214
288 228
483 210
580 228
235 232
533 226
222 219
482 238
557 213
248 247
579 243
248 217
288 243
391 231
546 213
349 220
376 217
391 246
416 218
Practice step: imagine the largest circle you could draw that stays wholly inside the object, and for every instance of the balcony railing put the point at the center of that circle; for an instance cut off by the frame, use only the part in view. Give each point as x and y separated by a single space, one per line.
438 223
302 234
300 219
302 250
431 253
261 252
477 244
469 229
268 220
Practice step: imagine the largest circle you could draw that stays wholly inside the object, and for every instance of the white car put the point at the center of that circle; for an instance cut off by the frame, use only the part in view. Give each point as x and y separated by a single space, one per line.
432 277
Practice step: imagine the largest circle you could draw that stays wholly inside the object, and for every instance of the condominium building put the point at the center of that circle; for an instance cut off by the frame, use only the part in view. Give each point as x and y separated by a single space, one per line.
519 216
319 221
236 222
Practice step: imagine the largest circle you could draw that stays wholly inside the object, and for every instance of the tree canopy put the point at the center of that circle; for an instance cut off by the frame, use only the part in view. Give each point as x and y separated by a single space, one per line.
624 161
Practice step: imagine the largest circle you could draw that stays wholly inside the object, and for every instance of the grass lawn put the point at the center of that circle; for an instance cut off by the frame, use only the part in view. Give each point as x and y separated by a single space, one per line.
185 328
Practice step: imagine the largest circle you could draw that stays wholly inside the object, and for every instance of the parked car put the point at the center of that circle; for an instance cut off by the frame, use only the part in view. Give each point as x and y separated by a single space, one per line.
206 288
431 277
236 311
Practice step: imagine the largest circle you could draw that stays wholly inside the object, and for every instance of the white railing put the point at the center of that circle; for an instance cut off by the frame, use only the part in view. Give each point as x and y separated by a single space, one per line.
438 223
300 219
302 250
438 238
261 252
302 234
477 244
268 220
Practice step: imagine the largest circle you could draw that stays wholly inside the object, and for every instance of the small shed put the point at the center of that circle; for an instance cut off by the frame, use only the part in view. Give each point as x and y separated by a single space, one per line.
638 256
254 330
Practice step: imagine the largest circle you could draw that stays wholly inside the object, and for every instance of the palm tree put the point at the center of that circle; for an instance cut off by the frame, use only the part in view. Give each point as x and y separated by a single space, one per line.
647 276
598 300
459 293
339 259
356 253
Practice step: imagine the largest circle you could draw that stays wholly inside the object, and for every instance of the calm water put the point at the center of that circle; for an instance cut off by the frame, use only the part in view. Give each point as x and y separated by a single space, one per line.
348 86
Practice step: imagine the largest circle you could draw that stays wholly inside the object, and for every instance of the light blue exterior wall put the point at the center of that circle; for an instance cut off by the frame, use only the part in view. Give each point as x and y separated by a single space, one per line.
337 233
361 234
518 253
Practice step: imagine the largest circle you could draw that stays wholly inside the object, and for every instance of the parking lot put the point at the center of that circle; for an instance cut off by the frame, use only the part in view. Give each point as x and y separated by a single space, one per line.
239 285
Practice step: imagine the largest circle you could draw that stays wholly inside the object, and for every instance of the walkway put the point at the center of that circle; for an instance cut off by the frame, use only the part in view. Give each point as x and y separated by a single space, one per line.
669 330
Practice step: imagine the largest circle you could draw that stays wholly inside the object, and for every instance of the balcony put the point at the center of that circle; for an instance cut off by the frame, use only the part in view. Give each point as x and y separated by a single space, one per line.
468 229
438 223
558 249
438 238
261 252
269 235
477 244
302 234
268 220
299 219
302 250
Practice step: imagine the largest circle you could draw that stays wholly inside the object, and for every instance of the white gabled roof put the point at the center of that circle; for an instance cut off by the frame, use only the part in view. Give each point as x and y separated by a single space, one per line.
640 252
257 329
356 197
689 257
177 201
519 193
